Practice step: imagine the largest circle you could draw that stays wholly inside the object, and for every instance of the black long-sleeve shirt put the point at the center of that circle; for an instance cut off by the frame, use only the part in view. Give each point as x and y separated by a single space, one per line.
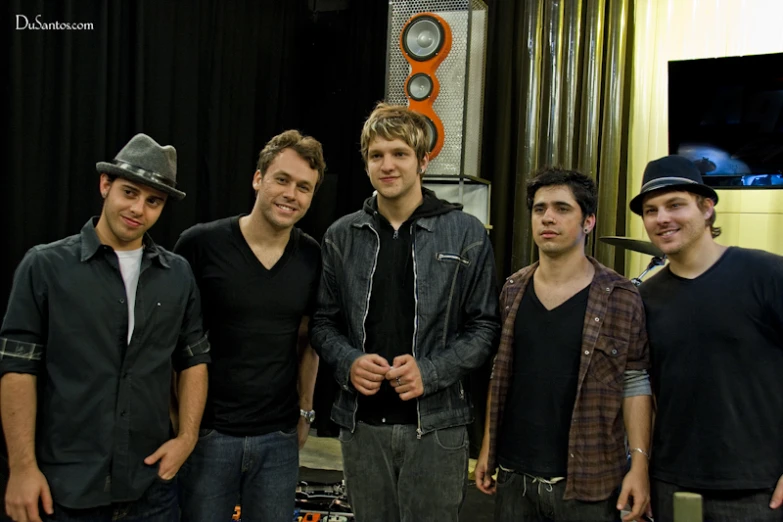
102 402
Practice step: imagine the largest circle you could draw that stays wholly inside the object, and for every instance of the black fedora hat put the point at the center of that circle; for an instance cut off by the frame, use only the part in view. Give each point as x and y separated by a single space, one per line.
143 160
671 172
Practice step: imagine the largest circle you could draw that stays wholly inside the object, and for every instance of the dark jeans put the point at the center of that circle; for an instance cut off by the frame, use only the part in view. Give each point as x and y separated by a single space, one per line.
392 476
717 505
259 472
158 504
520 497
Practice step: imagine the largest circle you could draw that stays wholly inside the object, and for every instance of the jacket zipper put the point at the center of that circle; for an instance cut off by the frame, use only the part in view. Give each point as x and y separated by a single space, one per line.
366 311
452 257
415 321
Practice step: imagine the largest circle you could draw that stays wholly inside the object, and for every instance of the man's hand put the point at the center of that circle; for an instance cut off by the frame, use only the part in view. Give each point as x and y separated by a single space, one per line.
25 487
367 373
302 431
484 481
405 377
777 496
636 486
172 455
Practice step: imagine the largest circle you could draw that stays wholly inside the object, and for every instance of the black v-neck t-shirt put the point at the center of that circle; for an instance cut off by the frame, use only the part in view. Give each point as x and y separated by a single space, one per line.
252 316
716 344
537 418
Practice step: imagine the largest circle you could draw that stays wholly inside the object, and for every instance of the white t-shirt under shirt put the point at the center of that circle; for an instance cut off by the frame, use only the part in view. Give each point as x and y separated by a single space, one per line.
130 267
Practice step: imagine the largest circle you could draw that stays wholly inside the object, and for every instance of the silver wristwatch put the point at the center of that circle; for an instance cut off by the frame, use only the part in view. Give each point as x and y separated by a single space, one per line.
308 415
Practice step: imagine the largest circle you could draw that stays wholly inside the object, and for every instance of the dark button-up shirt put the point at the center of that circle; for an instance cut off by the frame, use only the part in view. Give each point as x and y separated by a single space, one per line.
614 340
102 402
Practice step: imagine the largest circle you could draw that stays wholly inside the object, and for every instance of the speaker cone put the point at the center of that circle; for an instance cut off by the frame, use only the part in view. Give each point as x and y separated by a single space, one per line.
419 86
433 132
423 38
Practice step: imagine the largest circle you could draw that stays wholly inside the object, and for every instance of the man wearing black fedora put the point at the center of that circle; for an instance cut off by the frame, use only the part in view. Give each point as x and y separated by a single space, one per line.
95 323
715 324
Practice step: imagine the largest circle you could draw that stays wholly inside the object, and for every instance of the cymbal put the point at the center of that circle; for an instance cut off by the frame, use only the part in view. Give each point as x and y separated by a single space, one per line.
635 245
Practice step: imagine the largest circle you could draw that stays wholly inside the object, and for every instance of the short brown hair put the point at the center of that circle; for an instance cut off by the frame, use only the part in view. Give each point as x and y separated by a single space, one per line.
582 187
700 202
308 148
392 122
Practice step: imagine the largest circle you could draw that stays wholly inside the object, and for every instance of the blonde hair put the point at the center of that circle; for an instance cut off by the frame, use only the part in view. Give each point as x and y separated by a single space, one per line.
392 122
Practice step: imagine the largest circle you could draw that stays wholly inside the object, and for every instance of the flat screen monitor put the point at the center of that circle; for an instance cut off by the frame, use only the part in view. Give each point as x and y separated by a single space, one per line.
726 115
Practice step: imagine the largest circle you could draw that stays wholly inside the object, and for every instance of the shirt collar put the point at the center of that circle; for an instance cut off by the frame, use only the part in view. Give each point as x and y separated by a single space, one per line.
91 244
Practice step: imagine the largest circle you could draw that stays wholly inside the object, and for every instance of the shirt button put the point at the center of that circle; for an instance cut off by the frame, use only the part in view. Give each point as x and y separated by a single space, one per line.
511 281
122 301
123 413
587 352
614 352
608 289
383 419
125 375
597 319
508 307
572 455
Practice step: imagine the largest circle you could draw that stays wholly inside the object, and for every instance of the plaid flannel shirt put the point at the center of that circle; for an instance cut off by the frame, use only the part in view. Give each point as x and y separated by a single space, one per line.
614 339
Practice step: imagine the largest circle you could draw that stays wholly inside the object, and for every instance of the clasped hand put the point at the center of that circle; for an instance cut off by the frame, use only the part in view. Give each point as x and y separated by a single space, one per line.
369 371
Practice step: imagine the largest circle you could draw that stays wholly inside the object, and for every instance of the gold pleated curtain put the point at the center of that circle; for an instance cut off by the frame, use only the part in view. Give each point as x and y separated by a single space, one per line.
687 30
567 88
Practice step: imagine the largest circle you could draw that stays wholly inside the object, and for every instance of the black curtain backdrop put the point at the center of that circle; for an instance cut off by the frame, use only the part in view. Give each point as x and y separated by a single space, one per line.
216 79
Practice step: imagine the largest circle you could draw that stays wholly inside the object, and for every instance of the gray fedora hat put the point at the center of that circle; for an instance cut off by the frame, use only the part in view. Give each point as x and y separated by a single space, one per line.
673 172
143 160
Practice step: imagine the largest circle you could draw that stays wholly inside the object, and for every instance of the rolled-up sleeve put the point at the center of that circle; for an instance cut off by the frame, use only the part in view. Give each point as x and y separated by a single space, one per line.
635 383
193 345
639 346
24 331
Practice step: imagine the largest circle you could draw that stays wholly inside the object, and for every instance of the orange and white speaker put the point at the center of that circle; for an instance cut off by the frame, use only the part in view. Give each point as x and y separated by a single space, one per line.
425 42
435 65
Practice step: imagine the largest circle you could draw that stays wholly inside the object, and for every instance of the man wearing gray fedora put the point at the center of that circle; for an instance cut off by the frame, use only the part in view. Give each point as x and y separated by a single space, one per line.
94 325
715 325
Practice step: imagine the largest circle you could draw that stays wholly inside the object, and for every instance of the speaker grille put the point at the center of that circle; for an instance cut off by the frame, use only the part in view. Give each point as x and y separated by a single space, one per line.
452 74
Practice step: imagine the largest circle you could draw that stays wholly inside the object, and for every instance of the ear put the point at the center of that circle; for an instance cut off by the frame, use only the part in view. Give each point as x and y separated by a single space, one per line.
589 224
709 208
104 185
257 180
423 164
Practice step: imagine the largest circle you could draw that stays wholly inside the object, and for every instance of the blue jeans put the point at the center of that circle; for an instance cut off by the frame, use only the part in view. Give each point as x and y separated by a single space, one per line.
391 476
717 505
521 497
158 504
259 472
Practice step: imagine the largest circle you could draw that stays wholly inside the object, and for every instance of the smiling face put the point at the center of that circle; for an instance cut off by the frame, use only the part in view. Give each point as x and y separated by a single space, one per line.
284 192
557 220
675 222
129 210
